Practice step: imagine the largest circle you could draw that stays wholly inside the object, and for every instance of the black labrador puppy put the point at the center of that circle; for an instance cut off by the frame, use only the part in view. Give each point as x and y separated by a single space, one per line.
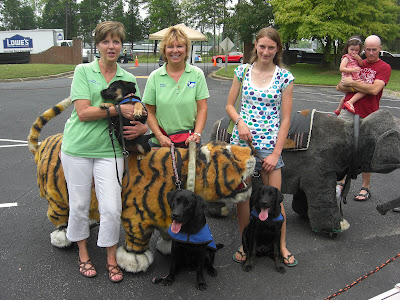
262 235
123 93
192 243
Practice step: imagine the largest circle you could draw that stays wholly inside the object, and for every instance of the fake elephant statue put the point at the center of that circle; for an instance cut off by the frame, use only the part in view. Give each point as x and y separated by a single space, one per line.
311 175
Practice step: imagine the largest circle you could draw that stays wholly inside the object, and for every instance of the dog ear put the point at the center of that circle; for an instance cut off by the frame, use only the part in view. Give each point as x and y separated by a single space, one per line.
279 199
255 194
169 197
130 86
200 205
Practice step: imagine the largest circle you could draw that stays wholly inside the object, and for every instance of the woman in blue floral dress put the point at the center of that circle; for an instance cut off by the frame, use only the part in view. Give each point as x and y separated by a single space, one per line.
264 119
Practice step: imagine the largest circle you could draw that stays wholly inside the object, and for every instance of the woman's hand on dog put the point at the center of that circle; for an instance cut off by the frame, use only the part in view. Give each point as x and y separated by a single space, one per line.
137 129
127 111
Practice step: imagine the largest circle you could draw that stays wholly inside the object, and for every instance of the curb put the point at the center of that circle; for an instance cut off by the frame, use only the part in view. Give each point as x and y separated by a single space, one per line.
385 91
39 77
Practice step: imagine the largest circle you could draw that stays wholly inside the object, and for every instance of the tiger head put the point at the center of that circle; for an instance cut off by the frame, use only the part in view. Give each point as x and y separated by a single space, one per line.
223 172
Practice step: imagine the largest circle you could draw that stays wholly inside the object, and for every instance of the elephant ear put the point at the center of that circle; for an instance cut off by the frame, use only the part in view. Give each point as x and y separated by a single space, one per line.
386 157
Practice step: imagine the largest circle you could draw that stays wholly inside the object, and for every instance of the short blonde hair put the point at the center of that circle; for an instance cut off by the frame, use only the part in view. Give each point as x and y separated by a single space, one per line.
106 27
272 34
174 34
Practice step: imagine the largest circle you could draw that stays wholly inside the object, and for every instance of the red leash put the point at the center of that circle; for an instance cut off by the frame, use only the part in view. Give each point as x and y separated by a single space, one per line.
363 277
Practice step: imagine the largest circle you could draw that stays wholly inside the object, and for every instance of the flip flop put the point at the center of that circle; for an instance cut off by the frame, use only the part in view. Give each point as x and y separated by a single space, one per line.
286 261
365 196
242 255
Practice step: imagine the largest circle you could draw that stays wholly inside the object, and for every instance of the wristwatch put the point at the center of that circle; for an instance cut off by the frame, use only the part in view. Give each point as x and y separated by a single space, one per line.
198 134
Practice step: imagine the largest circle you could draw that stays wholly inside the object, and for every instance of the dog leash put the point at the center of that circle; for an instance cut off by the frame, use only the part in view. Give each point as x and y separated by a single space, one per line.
255 153
363 277
125 152
174 168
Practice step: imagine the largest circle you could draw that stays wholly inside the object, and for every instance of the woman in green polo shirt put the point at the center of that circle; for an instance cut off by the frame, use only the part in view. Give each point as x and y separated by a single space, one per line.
176 93
87 153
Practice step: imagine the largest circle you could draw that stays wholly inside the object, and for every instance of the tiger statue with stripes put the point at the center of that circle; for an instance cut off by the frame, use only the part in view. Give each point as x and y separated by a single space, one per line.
222 172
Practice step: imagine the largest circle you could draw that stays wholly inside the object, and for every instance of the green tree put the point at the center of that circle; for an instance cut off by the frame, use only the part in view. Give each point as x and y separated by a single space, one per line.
162 14
332 22
247 19
204 14
134 25
89 15
61 14
17 15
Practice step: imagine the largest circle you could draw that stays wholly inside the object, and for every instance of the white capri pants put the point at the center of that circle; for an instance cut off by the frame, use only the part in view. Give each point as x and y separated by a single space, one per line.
79 173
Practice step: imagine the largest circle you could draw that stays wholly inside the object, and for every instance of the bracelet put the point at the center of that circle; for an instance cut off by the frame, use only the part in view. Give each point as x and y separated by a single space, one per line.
352 90
198 134
237 120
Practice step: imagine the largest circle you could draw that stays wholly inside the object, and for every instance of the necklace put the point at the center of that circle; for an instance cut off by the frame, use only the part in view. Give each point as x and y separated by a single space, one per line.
263 79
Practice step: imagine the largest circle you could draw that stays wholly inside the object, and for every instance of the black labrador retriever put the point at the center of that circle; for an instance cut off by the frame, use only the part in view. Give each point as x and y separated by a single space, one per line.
123 93
262 235
192 243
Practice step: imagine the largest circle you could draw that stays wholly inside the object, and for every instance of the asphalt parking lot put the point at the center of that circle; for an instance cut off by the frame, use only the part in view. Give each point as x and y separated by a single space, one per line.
33 269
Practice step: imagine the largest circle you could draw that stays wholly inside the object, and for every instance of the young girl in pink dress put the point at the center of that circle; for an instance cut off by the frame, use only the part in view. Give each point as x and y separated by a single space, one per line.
350 66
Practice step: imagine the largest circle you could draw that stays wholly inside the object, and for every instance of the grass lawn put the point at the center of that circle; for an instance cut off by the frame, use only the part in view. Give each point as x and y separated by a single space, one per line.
32 70
304 73
317 75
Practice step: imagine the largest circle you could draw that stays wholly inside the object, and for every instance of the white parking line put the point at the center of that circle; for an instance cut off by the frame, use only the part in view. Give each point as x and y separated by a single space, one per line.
8 204
11 146
15 141
20 143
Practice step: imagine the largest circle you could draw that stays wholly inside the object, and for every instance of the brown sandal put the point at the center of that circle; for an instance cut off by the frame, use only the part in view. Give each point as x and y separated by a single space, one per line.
85 267
113 271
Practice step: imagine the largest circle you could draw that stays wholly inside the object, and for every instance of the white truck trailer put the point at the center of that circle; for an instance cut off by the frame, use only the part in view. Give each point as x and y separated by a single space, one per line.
33 41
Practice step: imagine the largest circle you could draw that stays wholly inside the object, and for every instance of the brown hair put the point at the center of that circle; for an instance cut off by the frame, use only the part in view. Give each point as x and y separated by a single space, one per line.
272 34
106 27
352 41
174 34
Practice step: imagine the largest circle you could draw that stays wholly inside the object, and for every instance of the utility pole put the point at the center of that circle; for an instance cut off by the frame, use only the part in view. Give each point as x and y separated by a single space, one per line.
66 20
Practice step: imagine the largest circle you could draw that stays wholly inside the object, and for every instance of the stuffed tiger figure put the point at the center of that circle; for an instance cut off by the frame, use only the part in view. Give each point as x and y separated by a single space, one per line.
221 172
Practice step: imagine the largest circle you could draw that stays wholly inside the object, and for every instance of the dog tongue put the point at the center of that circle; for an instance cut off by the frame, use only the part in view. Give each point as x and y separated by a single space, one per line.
263 214
176 227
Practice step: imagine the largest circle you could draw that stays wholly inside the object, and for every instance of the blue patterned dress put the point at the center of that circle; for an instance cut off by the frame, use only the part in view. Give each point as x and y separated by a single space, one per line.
260 108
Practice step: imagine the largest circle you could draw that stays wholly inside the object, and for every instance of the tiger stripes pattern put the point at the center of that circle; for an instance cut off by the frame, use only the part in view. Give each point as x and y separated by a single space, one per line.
220 170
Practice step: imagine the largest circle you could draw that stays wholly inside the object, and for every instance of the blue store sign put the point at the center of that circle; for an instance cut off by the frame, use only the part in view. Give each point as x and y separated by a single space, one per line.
17 42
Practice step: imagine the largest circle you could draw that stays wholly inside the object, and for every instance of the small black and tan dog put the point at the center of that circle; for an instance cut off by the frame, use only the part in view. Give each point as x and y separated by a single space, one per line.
262 235
192 243
123 92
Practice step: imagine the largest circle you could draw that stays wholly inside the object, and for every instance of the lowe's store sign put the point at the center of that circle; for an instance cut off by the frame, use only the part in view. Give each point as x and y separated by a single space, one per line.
17 42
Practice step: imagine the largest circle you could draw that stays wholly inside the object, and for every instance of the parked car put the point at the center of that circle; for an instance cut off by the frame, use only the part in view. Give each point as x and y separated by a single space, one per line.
121 58
385 54
85 55
232 57
197 57
161 61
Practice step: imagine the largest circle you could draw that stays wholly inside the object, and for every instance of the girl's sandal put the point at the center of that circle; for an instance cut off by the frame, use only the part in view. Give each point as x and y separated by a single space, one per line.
114 271
85 267
349 107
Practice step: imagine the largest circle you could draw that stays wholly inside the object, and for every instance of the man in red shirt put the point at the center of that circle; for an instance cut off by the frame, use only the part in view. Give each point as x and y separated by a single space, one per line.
374 75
